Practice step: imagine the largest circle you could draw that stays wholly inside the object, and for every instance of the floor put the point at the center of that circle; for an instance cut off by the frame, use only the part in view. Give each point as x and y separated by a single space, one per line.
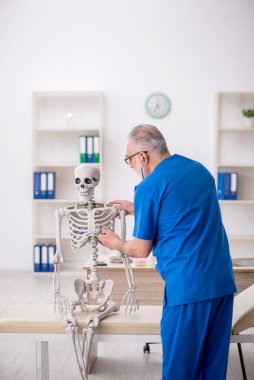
115 362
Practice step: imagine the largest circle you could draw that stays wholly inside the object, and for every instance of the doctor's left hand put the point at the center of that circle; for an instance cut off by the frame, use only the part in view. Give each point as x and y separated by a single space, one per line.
110 239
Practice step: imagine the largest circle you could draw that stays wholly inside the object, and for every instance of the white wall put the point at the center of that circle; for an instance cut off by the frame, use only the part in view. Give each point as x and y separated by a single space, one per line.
127 49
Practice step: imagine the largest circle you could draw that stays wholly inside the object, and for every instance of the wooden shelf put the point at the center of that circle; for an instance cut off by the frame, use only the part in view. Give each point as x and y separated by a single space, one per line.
240 237
58 119
67 269
63 165
49 236
94 130
234 153
236 93
234 165
67 94
238 202
55 201
243 129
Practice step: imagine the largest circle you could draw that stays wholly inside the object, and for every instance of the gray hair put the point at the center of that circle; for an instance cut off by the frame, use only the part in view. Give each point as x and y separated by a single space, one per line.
149 137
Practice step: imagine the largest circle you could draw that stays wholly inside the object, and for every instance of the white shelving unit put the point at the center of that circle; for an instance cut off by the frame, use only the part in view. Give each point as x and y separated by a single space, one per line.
235 152
59 118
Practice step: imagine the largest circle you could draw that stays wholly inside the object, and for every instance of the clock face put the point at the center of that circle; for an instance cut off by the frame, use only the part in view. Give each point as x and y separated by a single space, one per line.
158 105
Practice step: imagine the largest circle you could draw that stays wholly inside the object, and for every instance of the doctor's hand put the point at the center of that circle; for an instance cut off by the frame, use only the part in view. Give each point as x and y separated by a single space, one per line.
123 205
110 239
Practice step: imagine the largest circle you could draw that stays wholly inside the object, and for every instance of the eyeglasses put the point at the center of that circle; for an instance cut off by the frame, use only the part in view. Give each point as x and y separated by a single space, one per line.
128 158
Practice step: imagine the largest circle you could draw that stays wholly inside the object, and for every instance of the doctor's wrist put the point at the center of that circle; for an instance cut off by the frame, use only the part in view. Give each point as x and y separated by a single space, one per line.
121 246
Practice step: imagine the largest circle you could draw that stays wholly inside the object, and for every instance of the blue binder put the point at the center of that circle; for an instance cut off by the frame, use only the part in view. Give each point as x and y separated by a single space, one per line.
37 185
44 258
221 185
89 149
37 258
43 185
233 186
82 149
227 185
224 185
96 149
51 184
51 253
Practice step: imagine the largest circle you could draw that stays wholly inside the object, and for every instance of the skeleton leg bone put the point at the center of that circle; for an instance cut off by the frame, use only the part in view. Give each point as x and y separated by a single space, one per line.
72 329
82 350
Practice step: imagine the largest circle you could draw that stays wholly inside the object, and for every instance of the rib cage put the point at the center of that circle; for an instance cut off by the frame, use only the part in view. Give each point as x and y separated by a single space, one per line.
83 222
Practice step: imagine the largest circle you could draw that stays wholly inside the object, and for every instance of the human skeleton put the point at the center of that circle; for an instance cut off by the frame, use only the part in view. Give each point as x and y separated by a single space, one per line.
85 220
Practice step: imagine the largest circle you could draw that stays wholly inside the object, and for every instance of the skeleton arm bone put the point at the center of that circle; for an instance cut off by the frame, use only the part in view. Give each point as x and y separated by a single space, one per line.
130 299
60 302
58 258
59 214
129 275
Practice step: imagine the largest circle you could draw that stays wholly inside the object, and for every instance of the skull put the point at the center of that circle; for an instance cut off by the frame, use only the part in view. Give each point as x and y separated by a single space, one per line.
86 179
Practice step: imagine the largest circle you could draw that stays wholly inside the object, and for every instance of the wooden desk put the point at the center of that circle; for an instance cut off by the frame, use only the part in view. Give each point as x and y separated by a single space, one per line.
244 277
38 324
149 283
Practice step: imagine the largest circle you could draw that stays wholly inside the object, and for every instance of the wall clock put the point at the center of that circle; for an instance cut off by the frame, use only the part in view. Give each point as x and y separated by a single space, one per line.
158 105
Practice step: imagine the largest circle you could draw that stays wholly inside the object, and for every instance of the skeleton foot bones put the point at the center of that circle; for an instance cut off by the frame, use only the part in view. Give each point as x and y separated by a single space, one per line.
85 220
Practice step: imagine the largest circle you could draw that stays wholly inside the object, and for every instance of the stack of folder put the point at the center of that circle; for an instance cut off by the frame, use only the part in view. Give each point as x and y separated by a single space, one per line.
227 185
89 149
43 257
44 185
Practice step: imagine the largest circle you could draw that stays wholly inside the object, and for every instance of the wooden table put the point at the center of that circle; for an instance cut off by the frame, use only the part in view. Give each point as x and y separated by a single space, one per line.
39 325
244 277
149 283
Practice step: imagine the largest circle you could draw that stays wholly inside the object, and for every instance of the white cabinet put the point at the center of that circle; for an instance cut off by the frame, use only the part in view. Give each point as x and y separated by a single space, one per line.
235 153
59 119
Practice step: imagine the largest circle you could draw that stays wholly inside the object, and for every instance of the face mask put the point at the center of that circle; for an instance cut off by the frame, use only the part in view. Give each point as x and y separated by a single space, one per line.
141 169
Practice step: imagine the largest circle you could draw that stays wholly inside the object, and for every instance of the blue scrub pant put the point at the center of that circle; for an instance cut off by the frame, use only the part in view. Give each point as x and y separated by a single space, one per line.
195 339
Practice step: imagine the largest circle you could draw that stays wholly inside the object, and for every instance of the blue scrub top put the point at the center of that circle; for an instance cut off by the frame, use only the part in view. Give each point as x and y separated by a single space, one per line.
176 207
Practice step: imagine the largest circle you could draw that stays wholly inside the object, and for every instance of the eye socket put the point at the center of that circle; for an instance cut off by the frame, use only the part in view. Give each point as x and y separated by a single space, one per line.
77 181
88 181
95 179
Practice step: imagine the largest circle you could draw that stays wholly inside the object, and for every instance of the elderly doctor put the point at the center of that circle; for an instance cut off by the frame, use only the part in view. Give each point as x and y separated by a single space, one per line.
177 215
